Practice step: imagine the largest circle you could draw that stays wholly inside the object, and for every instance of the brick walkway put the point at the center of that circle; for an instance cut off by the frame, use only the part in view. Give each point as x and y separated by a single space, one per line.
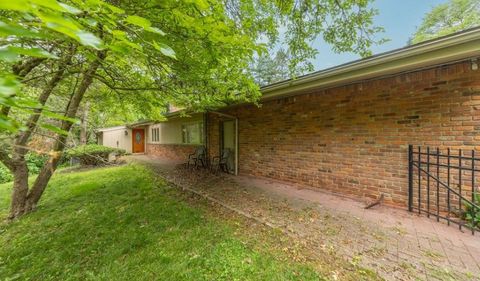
395 243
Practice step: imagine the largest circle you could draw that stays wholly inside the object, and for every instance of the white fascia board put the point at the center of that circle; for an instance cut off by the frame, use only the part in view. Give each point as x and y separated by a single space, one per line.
451 48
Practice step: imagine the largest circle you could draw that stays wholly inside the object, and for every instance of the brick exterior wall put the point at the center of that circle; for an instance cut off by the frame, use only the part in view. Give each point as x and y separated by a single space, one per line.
213 134
353 139
178 152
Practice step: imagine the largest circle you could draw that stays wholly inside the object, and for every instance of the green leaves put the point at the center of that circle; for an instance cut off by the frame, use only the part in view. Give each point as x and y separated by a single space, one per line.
89 39
34 5
155 30
69 8
71 28
164 49
31 52
8 88
7 30
472 212
18 5
92 24
447 18
53 115
54 129
143 23
138 21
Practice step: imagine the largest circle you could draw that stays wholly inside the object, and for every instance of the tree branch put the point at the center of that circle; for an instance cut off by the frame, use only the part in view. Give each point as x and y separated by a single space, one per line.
111 86
50 166
21 69
6 159
23 137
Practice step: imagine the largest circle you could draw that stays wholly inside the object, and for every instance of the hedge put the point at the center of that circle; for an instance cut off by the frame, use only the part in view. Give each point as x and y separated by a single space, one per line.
93 154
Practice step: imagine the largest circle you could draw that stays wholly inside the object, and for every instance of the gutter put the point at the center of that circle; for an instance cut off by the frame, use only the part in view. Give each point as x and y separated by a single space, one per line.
452 47
108 129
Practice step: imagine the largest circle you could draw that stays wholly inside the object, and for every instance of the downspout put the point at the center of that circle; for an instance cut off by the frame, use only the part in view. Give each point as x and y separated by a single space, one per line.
236 136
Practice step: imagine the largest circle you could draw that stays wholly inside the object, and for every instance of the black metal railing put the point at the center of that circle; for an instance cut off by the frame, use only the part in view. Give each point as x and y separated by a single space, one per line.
442 184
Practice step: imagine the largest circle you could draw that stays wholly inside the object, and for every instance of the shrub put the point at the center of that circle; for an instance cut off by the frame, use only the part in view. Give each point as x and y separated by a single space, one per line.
34 160
5 175
93 154
472 214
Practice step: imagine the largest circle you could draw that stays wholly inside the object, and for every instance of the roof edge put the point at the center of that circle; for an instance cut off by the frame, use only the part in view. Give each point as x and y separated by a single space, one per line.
106 129
460 45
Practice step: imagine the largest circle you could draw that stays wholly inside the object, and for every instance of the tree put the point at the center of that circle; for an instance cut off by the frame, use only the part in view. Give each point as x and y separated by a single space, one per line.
447 18
267 70
70 45
147 54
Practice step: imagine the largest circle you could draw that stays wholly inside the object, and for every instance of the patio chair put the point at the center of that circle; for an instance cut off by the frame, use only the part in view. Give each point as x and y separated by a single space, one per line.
198 157
220 162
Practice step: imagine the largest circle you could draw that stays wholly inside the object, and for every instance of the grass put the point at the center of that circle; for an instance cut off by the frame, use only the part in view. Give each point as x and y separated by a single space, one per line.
121 224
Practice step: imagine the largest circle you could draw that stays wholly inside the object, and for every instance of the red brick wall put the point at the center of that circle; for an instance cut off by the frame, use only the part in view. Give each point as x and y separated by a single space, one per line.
213 132
353 139
170 151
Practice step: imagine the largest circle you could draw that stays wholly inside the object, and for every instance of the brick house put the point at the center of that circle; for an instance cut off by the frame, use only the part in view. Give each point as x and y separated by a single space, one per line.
345 129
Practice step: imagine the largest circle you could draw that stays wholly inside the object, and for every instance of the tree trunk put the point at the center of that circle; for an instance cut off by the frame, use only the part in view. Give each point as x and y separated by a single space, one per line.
49 168
20 189
84 124
41 182
18 165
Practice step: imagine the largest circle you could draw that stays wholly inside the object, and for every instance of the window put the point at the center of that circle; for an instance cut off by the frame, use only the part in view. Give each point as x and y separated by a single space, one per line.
155 137
192 133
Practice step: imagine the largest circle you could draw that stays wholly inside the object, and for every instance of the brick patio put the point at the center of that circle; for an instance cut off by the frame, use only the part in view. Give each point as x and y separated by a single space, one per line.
393 242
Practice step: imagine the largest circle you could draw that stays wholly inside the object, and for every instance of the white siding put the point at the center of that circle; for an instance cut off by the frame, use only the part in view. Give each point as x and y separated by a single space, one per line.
118 139
171 130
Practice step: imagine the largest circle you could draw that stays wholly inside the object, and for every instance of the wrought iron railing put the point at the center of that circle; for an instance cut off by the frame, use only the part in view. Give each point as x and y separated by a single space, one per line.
442 184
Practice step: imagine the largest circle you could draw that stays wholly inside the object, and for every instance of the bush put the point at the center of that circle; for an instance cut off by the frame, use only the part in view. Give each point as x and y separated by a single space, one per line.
34 160
472 214
93 154
5 175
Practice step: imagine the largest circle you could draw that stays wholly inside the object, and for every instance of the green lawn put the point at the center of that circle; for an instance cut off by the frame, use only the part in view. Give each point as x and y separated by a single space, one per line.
120 224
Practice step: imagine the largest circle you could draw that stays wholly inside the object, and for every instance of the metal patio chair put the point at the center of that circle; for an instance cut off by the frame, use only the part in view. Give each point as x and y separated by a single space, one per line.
220 162
198 157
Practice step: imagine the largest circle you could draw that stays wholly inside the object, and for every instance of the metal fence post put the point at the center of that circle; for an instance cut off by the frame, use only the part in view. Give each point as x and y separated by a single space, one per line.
410 178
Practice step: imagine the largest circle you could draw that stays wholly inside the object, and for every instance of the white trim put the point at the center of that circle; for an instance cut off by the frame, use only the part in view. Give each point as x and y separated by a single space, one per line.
462 45
112 128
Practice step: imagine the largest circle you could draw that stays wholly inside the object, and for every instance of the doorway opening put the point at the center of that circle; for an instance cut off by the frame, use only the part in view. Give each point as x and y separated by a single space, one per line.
138 141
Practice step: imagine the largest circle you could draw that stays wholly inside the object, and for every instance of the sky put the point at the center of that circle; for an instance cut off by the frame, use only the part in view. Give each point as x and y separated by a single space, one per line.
399 18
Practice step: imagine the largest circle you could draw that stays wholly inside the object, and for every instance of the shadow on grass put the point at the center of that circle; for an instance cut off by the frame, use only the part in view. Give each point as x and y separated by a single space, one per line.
118 224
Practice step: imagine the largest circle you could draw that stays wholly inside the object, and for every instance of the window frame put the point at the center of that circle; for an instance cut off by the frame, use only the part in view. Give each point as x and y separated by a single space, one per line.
186 135
155 134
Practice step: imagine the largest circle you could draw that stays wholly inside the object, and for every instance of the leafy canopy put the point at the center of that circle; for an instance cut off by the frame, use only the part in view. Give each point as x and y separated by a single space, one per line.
48 31
193 53
267 69
196 54
447 18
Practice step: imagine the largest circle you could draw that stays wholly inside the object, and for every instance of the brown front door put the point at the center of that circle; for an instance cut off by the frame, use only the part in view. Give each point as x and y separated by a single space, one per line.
138 140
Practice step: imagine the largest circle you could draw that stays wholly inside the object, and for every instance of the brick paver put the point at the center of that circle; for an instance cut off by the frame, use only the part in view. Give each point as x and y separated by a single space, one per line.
395 243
